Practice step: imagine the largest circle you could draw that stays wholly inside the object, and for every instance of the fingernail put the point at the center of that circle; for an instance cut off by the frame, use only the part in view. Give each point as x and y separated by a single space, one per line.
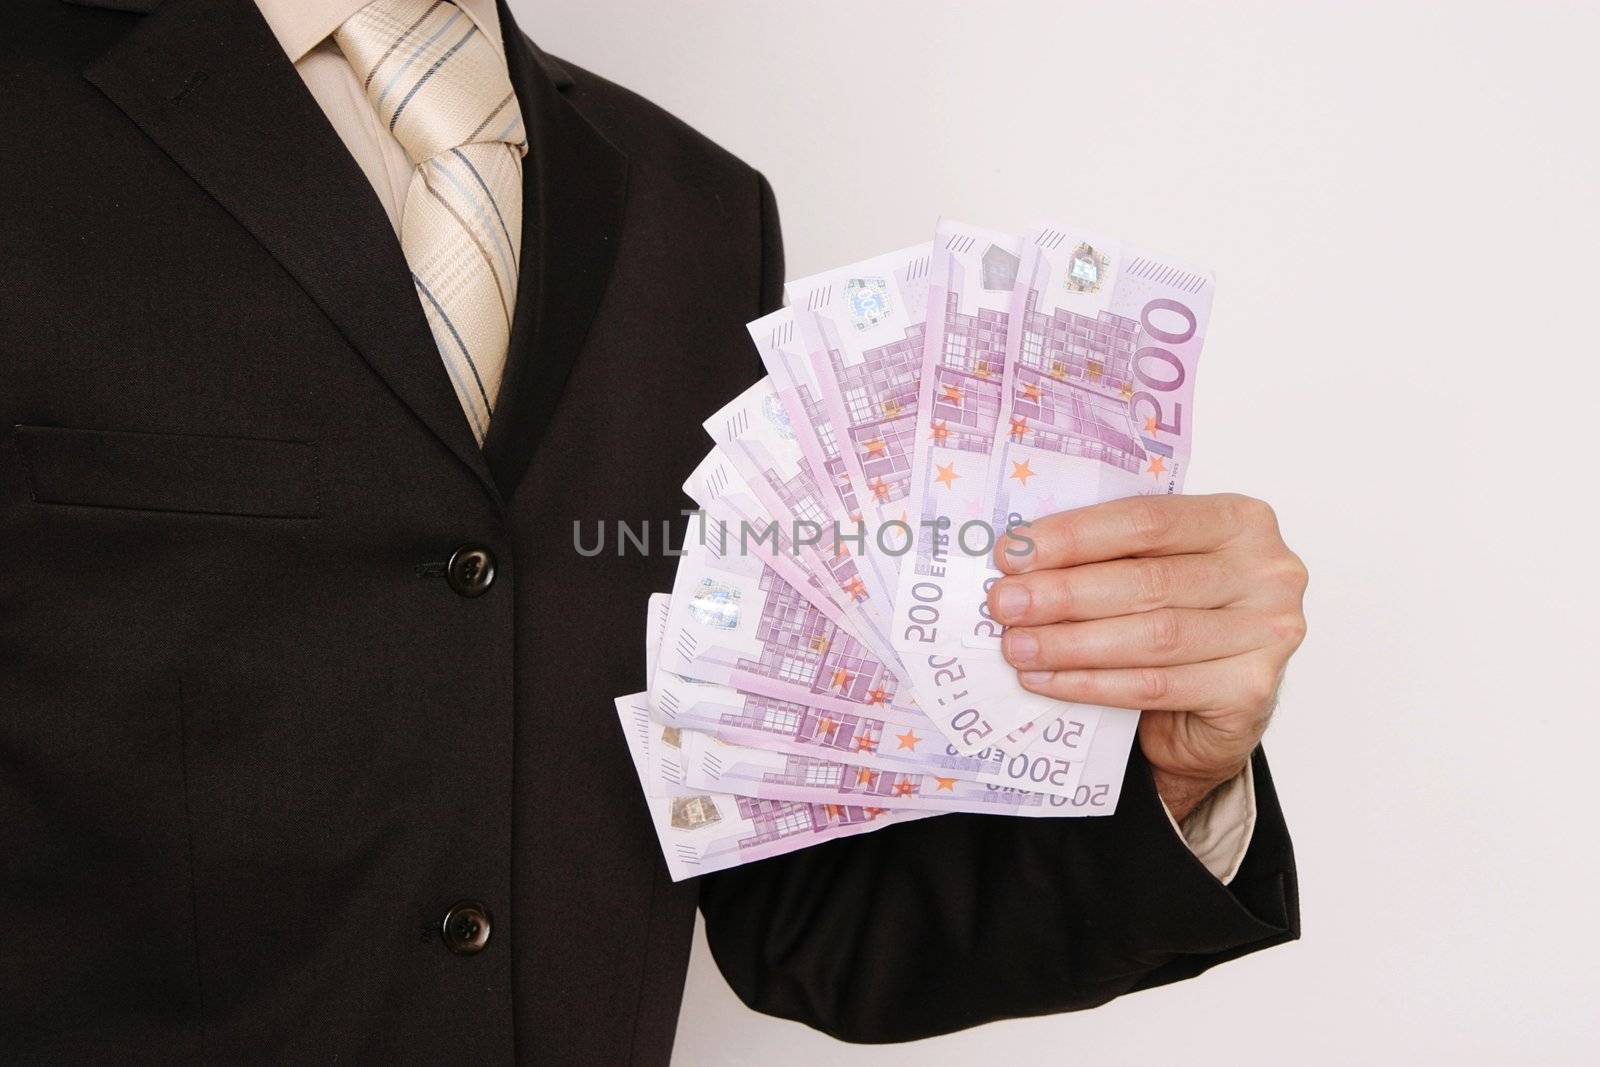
1010 554
1034 679
1011 601
1021 646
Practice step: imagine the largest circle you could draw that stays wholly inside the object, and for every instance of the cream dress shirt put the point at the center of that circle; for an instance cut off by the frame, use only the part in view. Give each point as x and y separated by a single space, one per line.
1218 831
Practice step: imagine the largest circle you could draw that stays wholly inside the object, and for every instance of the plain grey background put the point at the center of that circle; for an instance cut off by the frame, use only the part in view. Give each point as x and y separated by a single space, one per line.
1398 200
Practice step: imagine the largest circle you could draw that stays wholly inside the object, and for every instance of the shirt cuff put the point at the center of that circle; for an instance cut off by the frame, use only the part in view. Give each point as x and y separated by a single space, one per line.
1219 829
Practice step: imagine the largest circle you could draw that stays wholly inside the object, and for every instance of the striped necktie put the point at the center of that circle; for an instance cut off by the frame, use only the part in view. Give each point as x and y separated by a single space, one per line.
442 88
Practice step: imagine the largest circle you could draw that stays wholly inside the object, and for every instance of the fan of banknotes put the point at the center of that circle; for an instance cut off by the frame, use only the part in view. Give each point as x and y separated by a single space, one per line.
825 664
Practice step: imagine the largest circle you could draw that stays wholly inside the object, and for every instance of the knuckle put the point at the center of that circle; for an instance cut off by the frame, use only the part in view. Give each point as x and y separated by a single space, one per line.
1165 632
1260 687
1061 540
1284 575
1150 521
1281 574
1154 583
1247 514
1150 685
1231 508
1290 628
1260 514
1295 576
1075 534
1061 597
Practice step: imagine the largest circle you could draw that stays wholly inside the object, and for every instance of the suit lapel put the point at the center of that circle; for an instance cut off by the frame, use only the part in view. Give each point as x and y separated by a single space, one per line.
207 81
574 184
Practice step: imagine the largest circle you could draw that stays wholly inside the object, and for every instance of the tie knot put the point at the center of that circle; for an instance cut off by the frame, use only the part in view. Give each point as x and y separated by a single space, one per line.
433 77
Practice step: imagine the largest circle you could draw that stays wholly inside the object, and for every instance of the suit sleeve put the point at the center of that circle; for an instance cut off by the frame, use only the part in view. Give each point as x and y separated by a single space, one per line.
950 922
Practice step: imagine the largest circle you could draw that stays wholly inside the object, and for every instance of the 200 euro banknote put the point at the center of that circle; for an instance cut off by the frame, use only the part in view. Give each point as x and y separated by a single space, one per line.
781 346
736 621
731 512
862 327
712 764
754 431
705 832
1100 372
973 274
902 741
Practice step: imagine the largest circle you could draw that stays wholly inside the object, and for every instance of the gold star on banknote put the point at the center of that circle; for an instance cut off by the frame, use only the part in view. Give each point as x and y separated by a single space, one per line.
876 446
903 788
1156 467
1030 390
947 785
908 739
940 432
1151 425
1019 426
1021 471
842 678
947 474
866 776
952 394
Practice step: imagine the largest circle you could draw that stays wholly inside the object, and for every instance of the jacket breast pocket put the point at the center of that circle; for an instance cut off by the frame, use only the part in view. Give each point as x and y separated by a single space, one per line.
186 473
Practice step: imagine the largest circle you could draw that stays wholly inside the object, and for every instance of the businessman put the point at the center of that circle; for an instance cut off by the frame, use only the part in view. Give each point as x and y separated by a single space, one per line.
320 324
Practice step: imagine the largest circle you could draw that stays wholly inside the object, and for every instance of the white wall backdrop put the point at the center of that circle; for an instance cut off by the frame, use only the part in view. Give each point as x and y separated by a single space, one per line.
1399 200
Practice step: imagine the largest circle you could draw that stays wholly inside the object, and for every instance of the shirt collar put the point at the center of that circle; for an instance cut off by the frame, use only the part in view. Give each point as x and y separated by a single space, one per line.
301 25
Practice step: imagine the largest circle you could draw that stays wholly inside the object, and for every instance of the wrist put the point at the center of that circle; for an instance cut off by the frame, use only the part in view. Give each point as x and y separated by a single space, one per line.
1182 793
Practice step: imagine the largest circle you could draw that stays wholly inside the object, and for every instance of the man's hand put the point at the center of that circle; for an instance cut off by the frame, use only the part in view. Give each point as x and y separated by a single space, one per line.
1187 607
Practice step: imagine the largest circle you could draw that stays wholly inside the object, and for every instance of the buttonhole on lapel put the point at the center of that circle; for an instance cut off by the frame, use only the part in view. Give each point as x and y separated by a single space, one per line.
188 85
432 570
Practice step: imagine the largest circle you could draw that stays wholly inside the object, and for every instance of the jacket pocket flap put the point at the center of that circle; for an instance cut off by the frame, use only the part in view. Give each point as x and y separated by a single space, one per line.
170 472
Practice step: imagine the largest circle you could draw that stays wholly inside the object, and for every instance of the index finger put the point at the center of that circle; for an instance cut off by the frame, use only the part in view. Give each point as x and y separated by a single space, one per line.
1116 529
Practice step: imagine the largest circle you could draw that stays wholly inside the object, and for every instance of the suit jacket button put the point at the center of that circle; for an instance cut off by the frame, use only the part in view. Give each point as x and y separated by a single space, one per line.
471 570
466 928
